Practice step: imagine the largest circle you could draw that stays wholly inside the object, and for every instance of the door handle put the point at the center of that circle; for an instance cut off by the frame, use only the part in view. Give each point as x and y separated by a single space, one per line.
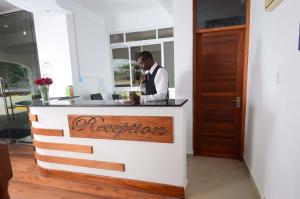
237 102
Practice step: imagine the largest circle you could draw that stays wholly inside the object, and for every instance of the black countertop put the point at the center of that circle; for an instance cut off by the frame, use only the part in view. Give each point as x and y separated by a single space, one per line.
100 103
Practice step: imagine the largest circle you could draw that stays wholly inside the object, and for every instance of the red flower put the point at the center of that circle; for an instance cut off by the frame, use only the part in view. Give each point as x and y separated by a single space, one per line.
43 81
48 81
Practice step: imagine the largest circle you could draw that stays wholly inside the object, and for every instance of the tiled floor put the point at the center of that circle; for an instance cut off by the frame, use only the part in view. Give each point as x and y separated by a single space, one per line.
216 178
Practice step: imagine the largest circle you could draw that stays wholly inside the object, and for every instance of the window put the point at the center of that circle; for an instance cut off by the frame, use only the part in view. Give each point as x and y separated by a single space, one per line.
121 67
126 69
165 32
216 13
137 36
117 38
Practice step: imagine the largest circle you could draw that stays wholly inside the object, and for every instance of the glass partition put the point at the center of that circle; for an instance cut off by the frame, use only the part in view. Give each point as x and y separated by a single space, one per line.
18 68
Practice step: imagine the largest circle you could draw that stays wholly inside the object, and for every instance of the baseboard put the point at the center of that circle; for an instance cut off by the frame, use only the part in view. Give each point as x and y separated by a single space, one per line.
142 186
252 180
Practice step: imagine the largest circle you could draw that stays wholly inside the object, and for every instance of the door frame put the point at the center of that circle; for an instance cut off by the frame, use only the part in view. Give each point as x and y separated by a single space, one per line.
244 76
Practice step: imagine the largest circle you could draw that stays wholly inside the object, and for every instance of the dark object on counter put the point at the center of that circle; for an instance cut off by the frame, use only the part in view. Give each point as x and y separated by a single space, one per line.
5 171
116 96
96 96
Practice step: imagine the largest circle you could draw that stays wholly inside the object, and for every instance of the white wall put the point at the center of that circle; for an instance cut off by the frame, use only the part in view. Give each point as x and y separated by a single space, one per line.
53 51
183 32
92 71
273 110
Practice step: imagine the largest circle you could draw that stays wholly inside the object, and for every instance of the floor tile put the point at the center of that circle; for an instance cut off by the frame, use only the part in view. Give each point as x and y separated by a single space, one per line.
211 178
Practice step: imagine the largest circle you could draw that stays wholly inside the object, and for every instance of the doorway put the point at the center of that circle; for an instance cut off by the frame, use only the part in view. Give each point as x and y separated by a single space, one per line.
220 43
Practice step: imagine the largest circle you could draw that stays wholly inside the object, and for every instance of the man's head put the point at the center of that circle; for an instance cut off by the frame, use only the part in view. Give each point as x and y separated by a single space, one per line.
145 60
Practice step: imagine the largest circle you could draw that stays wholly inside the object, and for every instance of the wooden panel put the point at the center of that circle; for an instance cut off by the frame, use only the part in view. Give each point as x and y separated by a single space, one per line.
148 187
137 128
63 147
81 162
47 132
219 72
218 147
33 117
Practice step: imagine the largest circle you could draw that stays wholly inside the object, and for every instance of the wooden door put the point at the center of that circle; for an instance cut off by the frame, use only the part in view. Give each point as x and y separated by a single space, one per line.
217 89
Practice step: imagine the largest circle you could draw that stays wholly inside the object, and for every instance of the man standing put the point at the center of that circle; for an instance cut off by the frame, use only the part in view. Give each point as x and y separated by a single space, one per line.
154 84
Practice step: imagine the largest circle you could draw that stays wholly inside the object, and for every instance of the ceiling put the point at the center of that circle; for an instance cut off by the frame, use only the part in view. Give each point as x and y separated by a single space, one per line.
5 6
111 8
101 8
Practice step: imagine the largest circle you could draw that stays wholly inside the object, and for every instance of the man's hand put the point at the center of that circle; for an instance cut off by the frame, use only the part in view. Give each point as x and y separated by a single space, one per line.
142 78
134 97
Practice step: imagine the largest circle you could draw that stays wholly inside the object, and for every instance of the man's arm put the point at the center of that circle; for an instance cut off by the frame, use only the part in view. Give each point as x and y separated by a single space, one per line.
161 84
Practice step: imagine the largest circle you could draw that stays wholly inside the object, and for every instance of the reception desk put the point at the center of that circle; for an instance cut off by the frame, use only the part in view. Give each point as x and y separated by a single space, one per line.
136 146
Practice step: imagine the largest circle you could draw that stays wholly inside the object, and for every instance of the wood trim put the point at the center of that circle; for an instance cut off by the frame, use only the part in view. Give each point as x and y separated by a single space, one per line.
47 132
81 162
63 147
148 187
194 72
221 29
245 78
33 117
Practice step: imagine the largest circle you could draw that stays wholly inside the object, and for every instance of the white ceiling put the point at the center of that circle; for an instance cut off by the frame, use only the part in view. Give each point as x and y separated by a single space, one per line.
5 6
111 8
103 8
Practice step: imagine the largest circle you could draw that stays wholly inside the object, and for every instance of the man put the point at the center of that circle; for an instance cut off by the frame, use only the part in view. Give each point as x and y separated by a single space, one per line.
154 84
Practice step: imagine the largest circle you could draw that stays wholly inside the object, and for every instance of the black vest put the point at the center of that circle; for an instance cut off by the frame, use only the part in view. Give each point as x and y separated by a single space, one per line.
149 84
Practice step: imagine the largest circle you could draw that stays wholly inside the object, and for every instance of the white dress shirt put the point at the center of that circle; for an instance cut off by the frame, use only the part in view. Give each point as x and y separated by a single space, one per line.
161 85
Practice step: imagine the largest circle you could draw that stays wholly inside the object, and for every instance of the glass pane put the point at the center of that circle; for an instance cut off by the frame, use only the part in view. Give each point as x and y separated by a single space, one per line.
166 32
18 68
121 67
135 67
169 61
117 38
216 13
135 51
137 36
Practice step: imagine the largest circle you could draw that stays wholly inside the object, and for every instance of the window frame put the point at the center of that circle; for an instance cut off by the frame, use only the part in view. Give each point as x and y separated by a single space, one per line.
130 44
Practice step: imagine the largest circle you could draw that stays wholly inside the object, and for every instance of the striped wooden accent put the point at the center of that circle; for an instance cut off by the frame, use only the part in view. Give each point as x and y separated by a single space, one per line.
63 147
47 132
81 162
33 117
137 185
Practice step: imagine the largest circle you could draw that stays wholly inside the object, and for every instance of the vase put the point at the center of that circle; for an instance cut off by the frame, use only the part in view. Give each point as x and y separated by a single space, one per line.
44 89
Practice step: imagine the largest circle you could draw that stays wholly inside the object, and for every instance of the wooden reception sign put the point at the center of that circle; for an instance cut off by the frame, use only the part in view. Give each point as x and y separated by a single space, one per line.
137 128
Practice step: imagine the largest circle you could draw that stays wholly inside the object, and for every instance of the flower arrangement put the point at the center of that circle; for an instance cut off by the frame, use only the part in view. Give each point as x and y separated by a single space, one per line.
43 81
44 84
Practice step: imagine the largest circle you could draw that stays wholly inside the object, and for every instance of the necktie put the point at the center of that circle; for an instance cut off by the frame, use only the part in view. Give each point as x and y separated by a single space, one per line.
148 75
